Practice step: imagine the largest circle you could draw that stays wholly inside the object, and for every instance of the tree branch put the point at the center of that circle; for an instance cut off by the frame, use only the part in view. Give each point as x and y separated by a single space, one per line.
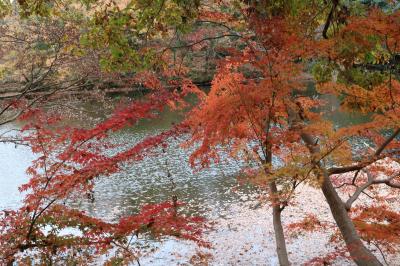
371 181
387 142
329 19
376 156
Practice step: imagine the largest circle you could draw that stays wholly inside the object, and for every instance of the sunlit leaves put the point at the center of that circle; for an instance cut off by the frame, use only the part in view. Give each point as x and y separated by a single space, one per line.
379 225
5 8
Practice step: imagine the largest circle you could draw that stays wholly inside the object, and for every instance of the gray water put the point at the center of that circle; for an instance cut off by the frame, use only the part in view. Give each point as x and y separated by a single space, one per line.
205 192
208 193
14 160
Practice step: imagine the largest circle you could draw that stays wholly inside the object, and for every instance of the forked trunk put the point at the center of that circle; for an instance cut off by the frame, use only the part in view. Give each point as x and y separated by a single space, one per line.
359 253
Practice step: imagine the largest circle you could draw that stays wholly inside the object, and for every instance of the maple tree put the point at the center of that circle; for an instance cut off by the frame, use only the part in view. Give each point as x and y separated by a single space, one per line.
267 114
69 160
259 110
46 59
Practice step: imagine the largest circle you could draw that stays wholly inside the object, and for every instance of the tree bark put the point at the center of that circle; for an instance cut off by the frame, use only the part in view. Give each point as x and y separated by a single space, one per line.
359 253
329 19
276 216
278 228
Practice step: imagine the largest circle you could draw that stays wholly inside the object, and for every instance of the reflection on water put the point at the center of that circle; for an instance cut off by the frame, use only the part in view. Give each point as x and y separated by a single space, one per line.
205 192
147 182
14 160
332 111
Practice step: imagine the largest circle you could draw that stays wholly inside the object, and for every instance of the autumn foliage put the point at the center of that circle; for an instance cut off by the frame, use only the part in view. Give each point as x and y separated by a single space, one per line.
68 162
260 109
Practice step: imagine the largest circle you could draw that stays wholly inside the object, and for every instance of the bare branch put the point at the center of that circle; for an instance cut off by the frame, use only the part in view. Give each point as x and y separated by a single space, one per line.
359 190
371 181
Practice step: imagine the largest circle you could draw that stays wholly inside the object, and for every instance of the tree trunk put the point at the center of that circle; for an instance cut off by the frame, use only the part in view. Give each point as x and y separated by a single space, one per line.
359 253
278 228
276 215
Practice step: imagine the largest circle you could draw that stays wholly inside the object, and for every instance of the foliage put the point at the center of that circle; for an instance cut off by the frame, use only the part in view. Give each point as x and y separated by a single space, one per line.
270 114
258 110
69 160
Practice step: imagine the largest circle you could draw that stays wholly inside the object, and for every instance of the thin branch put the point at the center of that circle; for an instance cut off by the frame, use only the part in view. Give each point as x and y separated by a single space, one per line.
376 156
371 181
356 167
380 251
387 142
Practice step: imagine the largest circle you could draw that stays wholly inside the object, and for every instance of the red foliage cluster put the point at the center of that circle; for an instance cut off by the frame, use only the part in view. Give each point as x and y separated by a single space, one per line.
68 161
379 225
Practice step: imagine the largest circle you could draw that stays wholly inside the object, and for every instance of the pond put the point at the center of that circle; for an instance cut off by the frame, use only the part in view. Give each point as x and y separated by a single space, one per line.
210 193
139 182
